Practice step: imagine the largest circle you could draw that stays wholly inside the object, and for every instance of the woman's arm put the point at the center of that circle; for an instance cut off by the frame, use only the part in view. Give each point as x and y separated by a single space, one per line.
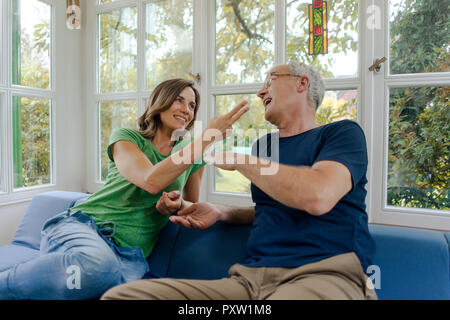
134 166
191 191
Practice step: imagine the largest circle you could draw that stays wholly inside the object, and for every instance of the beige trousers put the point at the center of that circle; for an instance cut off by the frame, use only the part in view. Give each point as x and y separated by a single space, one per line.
339 278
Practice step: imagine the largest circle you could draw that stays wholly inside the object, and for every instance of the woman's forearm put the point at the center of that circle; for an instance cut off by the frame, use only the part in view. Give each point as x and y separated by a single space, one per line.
165 172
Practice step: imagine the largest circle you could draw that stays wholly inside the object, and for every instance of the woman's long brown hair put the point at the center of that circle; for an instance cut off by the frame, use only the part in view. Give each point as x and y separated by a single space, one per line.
161 99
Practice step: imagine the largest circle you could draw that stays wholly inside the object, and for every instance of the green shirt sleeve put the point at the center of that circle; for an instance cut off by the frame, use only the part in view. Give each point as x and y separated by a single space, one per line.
124 134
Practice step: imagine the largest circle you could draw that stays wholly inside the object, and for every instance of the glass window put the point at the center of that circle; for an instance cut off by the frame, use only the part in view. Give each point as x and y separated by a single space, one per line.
2 74
422 46
31 44
168 41
337 105
118 50
2 177
245 43
114 115
31 141
342 57
246 131
419 143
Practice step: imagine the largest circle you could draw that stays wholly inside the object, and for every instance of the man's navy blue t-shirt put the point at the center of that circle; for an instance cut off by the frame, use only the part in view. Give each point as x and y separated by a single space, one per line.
286 237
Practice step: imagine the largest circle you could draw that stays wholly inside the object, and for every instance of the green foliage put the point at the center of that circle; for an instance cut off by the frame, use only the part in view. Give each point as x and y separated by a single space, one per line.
342 27
419 118
114 115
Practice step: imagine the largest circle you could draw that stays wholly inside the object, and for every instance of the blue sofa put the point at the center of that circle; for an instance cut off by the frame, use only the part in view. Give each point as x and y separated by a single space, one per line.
409 263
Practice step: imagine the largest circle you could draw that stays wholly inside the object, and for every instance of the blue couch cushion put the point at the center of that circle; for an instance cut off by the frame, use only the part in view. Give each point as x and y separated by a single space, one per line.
13 254
208 254
414 263
42 207
159 259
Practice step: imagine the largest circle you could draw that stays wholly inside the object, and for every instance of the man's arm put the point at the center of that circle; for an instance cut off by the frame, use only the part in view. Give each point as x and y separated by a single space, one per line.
315 189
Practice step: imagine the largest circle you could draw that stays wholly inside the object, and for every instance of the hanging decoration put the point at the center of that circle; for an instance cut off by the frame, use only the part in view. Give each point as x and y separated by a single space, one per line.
318 30
73 14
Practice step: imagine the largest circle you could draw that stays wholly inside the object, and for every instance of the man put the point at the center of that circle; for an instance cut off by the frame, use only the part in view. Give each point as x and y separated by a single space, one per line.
310 238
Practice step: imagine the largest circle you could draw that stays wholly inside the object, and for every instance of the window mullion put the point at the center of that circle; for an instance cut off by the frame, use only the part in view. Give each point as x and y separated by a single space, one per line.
280 32
141 20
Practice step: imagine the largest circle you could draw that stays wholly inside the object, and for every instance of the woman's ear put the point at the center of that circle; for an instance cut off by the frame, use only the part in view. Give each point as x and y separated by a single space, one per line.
302 84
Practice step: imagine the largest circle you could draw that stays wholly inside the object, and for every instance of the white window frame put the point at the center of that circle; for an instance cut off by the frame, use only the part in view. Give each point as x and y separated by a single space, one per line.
383 81
64 166
368 85
3 152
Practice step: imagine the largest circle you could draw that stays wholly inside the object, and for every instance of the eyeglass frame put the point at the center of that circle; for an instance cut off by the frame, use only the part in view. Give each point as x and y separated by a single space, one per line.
268 81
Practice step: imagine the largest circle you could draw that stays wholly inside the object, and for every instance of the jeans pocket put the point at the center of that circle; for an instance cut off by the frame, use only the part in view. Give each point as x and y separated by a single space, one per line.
132 262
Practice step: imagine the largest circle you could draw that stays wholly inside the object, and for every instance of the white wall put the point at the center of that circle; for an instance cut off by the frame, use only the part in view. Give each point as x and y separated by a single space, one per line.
69 123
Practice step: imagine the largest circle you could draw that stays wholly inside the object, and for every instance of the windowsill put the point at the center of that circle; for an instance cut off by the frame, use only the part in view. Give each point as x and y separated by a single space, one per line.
23 194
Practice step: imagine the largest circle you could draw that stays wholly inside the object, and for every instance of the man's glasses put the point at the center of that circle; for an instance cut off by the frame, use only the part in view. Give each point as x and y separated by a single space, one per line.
269 78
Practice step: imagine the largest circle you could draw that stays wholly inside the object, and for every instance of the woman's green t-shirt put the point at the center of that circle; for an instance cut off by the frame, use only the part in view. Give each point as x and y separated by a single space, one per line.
131 208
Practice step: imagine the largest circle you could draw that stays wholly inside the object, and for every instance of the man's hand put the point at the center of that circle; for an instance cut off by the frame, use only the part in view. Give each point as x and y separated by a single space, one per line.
169 202
227 160
200 215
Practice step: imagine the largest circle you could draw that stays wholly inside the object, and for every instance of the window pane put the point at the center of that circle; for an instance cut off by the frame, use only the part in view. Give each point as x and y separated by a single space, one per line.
2 179
246 131
169 26
114 115
244 40
31 142
31 44
337 105
422 46
418 160
118 50
342 57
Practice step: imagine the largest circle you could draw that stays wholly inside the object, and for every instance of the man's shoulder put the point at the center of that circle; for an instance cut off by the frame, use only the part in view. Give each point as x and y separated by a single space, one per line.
346 123
345 127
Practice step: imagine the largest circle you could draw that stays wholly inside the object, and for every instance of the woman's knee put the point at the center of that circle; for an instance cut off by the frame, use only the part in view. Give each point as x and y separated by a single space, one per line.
90 275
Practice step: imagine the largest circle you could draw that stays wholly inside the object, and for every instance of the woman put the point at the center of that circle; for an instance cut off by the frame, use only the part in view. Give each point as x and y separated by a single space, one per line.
103 242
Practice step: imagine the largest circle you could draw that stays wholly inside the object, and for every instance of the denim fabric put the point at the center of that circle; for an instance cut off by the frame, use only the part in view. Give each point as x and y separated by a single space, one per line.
77 261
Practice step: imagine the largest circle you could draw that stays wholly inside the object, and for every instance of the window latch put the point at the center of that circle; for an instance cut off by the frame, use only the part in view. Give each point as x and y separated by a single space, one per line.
195 77
377 64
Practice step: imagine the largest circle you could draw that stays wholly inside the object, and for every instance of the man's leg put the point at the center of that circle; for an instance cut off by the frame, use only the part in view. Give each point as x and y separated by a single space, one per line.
337 278
241 285
179 289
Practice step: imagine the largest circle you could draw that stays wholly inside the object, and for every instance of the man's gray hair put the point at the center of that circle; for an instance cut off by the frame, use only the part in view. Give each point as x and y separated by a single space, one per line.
316 84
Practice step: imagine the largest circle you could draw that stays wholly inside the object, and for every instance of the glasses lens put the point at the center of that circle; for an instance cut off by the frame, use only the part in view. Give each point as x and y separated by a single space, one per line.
267 81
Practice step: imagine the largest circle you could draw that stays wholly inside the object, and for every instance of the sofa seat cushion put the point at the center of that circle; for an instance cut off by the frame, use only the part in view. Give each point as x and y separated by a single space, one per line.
13 254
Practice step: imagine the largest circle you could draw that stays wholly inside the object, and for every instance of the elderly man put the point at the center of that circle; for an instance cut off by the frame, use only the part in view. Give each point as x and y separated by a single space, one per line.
310 238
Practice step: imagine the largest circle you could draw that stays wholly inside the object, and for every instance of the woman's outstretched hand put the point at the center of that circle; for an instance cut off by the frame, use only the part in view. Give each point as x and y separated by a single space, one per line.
221 127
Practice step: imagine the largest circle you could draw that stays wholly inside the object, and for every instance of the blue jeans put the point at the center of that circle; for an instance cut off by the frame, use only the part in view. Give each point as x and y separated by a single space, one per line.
77 261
